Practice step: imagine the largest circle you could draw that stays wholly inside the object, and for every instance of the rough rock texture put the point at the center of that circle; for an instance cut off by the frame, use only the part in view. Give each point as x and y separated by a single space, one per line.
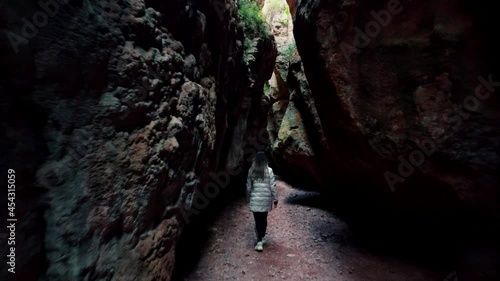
293 119
411 81
300 143
278 92
131 103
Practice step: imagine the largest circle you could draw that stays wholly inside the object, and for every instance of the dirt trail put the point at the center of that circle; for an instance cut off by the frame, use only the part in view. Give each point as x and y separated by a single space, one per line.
303 243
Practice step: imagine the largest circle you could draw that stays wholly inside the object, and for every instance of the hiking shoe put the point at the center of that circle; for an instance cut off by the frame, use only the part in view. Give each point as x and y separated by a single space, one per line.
263 240
259 247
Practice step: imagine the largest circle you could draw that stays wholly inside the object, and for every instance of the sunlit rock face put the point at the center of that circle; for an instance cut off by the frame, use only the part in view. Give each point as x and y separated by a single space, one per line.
404 94
292 119
131 105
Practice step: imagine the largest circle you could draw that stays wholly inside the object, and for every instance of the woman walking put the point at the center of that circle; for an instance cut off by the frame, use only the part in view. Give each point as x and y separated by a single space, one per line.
261 195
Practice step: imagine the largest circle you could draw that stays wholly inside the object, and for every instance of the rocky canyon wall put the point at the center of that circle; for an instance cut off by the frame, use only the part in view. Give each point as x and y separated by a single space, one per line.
406 99
295 132
114 113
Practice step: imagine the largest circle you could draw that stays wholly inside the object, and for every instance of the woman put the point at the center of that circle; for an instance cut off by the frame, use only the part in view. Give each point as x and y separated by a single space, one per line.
261 194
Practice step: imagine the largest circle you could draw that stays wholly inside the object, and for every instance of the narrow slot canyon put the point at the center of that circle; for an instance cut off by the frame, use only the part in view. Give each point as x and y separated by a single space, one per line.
129 128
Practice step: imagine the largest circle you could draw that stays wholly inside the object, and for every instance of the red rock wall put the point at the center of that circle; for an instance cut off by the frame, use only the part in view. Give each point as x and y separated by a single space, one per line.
411 78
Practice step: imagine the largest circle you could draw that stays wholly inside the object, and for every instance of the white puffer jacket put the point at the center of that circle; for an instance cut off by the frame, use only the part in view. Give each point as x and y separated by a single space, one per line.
261 192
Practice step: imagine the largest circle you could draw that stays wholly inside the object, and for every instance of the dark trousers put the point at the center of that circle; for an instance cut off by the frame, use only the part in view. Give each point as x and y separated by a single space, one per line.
260 224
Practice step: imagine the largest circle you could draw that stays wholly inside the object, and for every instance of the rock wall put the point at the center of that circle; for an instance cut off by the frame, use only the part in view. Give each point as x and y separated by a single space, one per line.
115 112
300 143
292 118
402 94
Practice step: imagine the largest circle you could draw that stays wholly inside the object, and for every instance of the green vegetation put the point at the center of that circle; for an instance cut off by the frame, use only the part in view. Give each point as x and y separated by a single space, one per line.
288 52
249 48
284 21
287 10
267 88
252 19
254 26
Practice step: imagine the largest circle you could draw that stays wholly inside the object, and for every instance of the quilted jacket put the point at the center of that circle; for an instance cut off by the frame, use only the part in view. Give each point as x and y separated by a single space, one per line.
261 192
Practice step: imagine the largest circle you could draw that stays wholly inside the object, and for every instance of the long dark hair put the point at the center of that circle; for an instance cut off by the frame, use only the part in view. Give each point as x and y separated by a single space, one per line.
259 166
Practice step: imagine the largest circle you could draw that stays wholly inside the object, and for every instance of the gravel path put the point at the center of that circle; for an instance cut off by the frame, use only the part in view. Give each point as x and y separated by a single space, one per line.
303 243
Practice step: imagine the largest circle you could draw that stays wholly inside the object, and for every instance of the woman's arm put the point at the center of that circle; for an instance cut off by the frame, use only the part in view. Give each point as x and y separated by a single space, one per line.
272 183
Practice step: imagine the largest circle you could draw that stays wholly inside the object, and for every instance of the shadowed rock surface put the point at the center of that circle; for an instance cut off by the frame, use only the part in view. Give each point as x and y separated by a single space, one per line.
115 114
412 82
123 118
